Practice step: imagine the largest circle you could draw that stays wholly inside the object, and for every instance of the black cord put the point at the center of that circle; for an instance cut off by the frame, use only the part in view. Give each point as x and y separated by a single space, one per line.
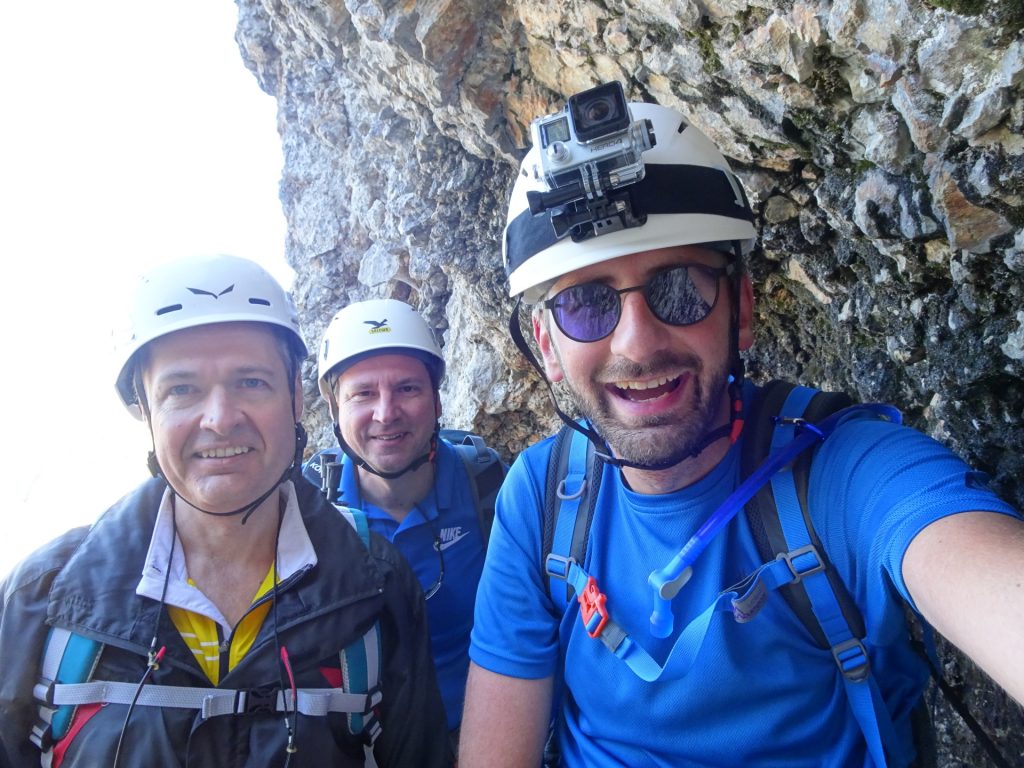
154 656
291 718
151 666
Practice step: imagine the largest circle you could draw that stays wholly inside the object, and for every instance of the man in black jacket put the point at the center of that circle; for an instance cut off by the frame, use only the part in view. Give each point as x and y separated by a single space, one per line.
220 614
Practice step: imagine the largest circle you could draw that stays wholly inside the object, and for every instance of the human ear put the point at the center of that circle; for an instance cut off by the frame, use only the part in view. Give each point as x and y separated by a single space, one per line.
542 333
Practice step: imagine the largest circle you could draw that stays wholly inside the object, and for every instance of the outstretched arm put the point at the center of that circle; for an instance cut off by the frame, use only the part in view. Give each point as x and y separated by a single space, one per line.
965 572
505 720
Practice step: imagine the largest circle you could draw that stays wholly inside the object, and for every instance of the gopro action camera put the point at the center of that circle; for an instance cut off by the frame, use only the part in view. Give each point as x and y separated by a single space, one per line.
591 147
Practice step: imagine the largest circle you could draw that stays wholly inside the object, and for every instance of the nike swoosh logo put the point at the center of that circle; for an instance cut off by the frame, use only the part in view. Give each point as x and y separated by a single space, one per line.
451 542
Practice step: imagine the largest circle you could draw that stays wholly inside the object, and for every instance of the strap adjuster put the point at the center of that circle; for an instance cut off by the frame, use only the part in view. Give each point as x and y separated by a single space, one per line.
803 562
558 566
43 692
258 700
593 602
42 736
852 659
374 696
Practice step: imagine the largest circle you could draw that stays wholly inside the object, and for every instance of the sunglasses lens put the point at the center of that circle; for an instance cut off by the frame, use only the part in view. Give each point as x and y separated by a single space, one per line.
683 295
587 312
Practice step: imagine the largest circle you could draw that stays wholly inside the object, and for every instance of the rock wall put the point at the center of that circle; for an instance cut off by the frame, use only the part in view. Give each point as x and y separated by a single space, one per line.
881 143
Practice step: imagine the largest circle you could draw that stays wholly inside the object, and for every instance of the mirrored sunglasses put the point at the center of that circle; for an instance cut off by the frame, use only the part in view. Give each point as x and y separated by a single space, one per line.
679 296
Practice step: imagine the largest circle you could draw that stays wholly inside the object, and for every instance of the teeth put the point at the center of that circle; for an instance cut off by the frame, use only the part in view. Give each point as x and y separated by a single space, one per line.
389 437
223 453
643 384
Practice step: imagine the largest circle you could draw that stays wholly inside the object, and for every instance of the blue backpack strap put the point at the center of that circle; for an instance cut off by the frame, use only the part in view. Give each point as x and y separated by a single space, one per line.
67 659
360 674
843 637
573 480
761 512
361 661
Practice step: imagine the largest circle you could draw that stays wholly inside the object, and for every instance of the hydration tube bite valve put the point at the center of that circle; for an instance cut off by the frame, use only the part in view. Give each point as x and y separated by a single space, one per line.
665 586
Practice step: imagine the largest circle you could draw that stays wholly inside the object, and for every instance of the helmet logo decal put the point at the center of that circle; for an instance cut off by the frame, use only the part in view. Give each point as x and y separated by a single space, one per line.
201 292
379 326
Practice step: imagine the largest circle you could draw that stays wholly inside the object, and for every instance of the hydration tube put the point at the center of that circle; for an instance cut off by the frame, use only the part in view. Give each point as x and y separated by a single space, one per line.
666 582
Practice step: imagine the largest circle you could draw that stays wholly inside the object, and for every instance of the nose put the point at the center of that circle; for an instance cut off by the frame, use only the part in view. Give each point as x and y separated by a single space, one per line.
385 410
639 333
220 412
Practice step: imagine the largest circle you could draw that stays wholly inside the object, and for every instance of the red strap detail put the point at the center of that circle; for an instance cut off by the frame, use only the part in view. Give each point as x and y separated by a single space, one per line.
737 428
332 676
592 601
83 714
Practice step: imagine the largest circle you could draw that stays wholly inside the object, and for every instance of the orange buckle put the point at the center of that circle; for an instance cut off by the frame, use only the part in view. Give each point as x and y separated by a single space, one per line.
593 601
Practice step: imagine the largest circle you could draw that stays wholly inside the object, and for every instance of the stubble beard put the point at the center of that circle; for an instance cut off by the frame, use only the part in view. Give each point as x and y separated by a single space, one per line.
662 439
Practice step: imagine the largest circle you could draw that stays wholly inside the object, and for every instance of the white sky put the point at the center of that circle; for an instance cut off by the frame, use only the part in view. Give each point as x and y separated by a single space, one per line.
131 134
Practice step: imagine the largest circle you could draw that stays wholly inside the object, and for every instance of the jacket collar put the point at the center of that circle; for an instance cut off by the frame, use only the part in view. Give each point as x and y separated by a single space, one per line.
94 594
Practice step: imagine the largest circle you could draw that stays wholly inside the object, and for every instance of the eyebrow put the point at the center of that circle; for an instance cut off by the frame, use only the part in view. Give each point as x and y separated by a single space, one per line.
358 384
185 374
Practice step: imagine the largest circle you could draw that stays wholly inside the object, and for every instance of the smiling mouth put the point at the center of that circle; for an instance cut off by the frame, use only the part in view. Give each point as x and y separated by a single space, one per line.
390 437
643 391
223 453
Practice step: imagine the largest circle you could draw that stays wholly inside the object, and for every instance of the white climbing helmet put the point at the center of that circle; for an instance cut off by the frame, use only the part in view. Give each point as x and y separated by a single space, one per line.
689 195
367 328
195 291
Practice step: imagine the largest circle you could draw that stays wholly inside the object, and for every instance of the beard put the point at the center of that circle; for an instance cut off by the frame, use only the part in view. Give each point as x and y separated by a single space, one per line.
665 439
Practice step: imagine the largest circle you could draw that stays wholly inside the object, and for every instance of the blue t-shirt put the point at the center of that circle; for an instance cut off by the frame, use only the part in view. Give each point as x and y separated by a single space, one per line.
449 515
760 693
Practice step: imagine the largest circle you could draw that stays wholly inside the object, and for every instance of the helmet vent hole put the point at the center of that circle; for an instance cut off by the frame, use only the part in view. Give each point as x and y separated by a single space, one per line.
169 308
260 302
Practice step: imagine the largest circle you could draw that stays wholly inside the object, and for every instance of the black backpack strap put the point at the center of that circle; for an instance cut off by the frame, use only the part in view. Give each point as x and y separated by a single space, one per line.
570 495
762 512
486 473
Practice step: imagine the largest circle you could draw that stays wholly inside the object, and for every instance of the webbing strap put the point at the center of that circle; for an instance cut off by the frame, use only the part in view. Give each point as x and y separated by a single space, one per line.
571 492
745 599
66 657
850 655
213 702
357 519
353 670
686 649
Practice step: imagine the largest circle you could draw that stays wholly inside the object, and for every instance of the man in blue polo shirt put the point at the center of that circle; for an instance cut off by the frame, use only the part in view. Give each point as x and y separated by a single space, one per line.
640 307
380 370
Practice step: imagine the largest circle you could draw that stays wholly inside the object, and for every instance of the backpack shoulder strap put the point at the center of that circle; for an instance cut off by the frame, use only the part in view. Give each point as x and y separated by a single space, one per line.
769 405
361 660
819 598
570 494
361 674
67 659
486 472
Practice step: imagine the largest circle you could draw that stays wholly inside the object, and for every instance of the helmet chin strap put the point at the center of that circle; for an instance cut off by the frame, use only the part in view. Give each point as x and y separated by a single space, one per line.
732 430
412 466
246 510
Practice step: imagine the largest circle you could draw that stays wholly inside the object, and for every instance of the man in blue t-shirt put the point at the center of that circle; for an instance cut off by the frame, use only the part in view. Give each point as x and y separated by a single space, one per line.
380 370
626 232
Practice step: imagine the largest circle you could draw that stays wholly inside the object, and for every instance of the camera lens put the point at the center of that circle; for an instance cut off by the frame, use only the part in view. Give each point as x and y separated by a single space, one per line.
598 111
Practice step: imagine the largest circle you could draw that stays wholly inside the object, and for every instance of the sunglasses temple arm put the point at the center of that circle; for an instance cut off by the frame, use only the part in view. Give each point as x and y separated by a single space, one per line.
516 331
